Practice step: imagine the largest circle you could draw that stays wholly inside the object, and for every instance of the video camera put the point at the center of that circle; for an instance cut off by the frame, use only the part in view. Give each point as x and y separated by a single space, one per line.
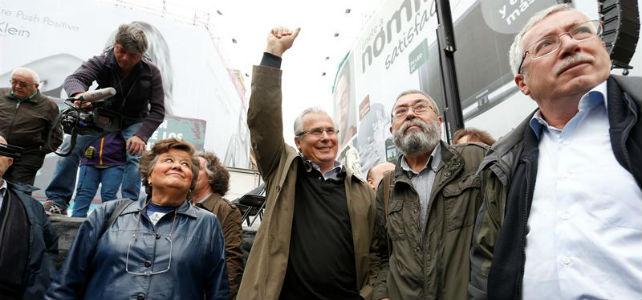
77 120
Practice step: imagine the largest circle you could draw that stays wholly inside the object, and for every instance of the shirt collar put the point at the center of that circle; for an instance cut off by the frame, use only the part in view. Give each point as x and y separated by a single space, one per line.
334 173
595 97
3 187
433 162
185 208
30 98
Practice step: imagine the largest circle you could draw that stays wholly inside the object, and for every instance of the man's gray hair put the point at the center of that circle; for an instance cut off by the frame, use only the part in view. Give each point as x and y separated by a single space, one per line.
298 122
411 92
132 38
516 50
34 76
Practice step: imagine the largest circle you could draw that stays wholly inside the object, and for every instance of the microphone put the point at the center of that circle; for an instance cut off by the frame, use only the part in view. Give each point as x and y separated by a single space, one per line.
96 95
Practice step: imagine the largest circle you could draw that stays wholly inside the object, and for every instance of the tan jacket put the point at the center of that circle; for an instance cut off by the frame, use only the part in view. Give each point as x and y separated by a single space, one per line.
268 260
229 216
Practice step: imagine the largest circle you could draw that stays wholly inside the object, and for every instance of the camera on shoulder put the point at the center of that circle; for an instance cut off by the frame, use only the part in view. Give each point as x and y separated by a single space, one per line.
97 121
75 120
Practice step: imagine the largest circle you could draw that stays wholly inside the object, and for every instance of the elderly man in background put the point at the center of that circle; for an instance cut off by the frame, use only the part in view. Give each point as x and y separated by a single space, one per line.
473 135
375 174
26 117
211 185
28 242
426 208
314 239
562 191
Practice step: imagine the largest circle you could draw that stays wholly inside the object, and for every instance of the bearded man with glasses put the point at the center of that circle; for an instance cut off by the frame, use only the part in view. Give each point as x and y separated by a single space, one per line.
314 239
26 117
426 208
562 191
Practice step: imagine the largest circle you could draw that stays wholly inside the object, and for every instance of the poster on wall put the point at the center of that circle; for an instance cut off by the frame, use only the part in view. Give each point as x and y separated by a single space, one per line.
398 51
344 104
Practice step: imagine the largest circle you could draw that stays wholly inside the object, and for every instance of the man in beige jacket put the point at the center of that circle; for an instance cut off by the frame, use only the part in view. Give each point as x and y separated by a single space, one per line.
318 248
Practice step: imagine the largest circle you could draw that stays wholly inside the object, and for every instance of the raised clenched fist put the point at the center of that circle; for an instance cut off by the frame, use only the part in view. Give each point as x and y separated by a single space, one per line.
280 39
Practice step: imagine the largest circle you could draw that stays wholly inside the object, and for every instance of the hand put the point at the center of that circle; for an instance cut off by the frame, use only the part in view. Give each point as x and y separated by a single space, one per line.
280 39
135 145
81 104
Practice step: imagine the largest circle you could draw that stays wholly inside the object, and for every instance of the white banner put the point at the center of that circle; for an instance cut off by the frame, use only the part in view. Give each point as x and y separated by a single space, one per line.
54 37
398 51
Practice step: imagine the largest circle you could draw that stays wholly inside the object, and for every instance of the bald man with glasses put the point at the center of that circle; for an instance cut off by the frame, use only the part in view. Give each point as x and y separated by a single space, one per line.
26 117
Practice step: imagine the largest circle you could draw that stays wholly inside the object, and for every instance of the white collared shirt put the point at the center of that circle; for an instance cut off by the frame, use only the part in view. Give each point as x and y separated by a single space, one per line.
3 192
585 224
333 173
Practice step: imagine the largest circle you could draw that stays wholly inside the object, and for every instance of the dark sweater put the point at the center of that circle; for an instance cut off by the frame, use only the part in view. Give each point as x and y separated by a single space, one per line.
321 262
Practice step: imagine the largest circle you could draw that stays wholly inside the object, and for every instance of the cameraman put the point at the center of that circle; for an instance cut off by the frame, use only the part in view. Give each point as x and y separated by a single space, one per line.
139 101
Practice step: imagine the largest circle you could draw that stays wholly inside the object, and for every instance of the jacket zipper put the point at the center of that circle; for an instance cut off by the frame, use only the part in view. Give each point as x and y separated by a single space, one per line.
625 134
100 152
13 121
524 221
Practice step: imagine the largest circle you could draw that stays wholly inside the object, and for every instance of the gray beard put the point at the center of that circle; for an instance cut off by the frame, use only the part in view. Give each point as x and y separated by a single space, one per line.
417 142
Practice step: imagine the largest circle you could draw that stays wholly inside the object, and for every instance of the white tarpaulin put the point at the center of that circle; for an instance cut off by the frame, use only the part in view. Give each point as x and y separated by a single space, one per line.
54 37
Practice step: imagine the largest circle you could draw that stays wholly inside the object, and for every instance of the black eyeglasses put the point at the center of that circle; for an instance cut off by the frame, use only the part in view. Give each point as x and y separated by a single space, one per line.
551 43
318 132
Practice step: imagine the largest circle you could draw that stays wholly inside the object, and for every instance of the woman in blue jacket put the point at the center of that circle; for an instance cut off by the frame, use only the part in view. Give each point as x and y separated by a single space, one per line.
158 248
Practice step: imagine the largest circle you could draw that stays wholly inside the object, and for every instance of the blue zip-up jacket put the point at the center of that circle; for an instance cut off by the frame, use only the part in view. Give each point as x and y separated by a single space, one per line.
130 259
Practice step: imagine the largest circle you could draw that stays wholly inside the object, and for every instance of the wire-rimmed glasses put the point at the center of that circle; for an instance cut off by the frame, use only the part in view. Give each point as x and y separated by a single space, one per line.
550 43
151 267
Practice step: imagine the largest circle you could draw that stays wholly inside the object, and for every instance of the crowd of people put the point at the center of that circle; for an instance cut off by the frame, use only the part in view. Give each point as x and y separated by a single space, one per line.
157 239
549 211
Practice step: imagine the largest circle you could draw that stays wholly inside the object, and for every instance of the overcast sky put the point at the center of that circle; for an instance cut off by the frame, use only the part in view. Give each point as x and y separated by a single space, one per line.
316 51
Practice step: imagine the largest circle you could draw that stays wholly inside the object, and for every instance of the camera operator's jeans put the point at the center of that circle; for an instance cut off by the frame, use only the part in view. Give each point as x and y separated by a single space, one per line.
90 177
61 187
